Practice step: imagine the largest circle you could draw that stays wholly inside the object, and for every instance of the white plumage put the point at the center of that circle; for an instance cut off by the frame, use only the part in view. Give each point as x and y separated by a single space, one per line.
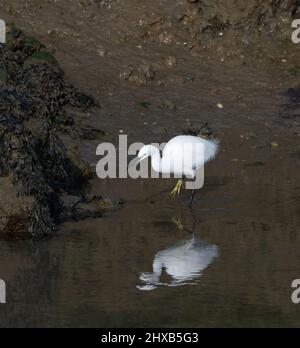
184 262
182 155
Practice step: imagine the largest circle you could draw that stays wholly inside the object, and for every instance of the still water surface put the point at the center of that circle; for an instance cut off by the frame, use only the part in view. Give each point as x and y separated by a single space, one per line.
143 266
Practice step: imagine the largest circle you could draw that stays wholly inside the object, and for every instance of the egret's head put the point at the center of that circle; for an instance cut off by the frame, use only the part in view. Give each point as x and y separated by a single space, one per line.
145 152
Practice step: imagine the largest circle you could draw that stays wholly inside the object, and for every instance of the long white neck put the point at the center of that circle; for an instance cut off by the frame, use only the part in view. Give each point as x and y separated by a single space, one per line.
155 159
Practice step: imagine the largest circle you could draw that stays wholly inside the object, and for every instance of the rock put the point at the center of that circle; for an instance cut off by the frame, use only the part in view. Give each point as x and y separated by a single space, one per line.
3 78
94 207
41 57
202 131
14 212
167 104
189 77
35 166
145 104
106 3
89 133
140 74
85 210
82 167
167 38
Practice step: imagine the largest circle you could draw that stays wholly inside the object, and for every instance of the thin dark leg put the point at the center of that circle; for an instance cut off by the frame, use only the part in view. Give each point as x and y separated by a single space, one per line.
192 198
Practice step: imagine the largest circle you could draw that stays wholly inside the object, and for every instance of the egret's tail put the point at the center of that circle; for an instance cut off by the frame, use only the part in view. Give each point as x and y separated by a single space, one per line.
211 148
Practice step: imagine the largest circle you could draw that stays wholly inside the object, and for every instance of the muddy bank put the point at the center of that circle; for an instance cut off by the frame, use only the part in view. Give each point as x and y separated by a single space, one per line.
35 166
146 60
201 24
232 27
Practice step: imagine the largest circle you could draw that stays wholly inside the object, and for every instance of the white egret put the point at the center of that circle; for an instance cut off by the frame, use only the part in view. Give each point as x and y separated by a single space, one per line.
182 156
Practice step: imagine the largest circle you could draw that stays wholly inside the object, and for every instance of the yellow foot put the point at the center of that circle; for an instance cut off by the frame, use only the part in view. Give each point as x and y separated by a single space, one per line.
177 188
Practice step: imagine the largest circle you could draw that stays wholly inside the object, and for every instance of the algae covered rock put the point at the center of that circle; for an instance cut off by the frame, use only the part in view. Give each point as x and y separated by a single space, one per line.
35 166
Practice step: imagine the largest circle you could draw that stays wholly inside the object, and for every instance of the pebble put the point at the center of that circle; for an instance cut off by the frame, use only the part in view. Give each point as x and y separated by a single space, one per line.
166 38
220 105
171 61
101 52
189 77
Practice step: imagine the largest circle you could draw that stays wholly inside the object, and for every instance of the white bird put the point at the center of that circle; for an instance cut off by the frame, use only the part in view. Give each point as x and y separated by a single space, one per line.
184 262
182 156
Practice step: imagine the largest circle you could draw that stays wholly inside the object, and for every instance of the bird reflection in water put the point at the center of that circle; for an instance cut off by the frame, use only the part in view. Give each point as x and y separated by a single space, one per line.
182 263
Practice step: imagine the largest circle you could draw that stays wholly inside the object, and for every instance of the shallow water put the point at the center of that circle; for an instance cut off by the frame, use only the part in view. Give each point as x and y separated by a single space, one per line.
141 266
